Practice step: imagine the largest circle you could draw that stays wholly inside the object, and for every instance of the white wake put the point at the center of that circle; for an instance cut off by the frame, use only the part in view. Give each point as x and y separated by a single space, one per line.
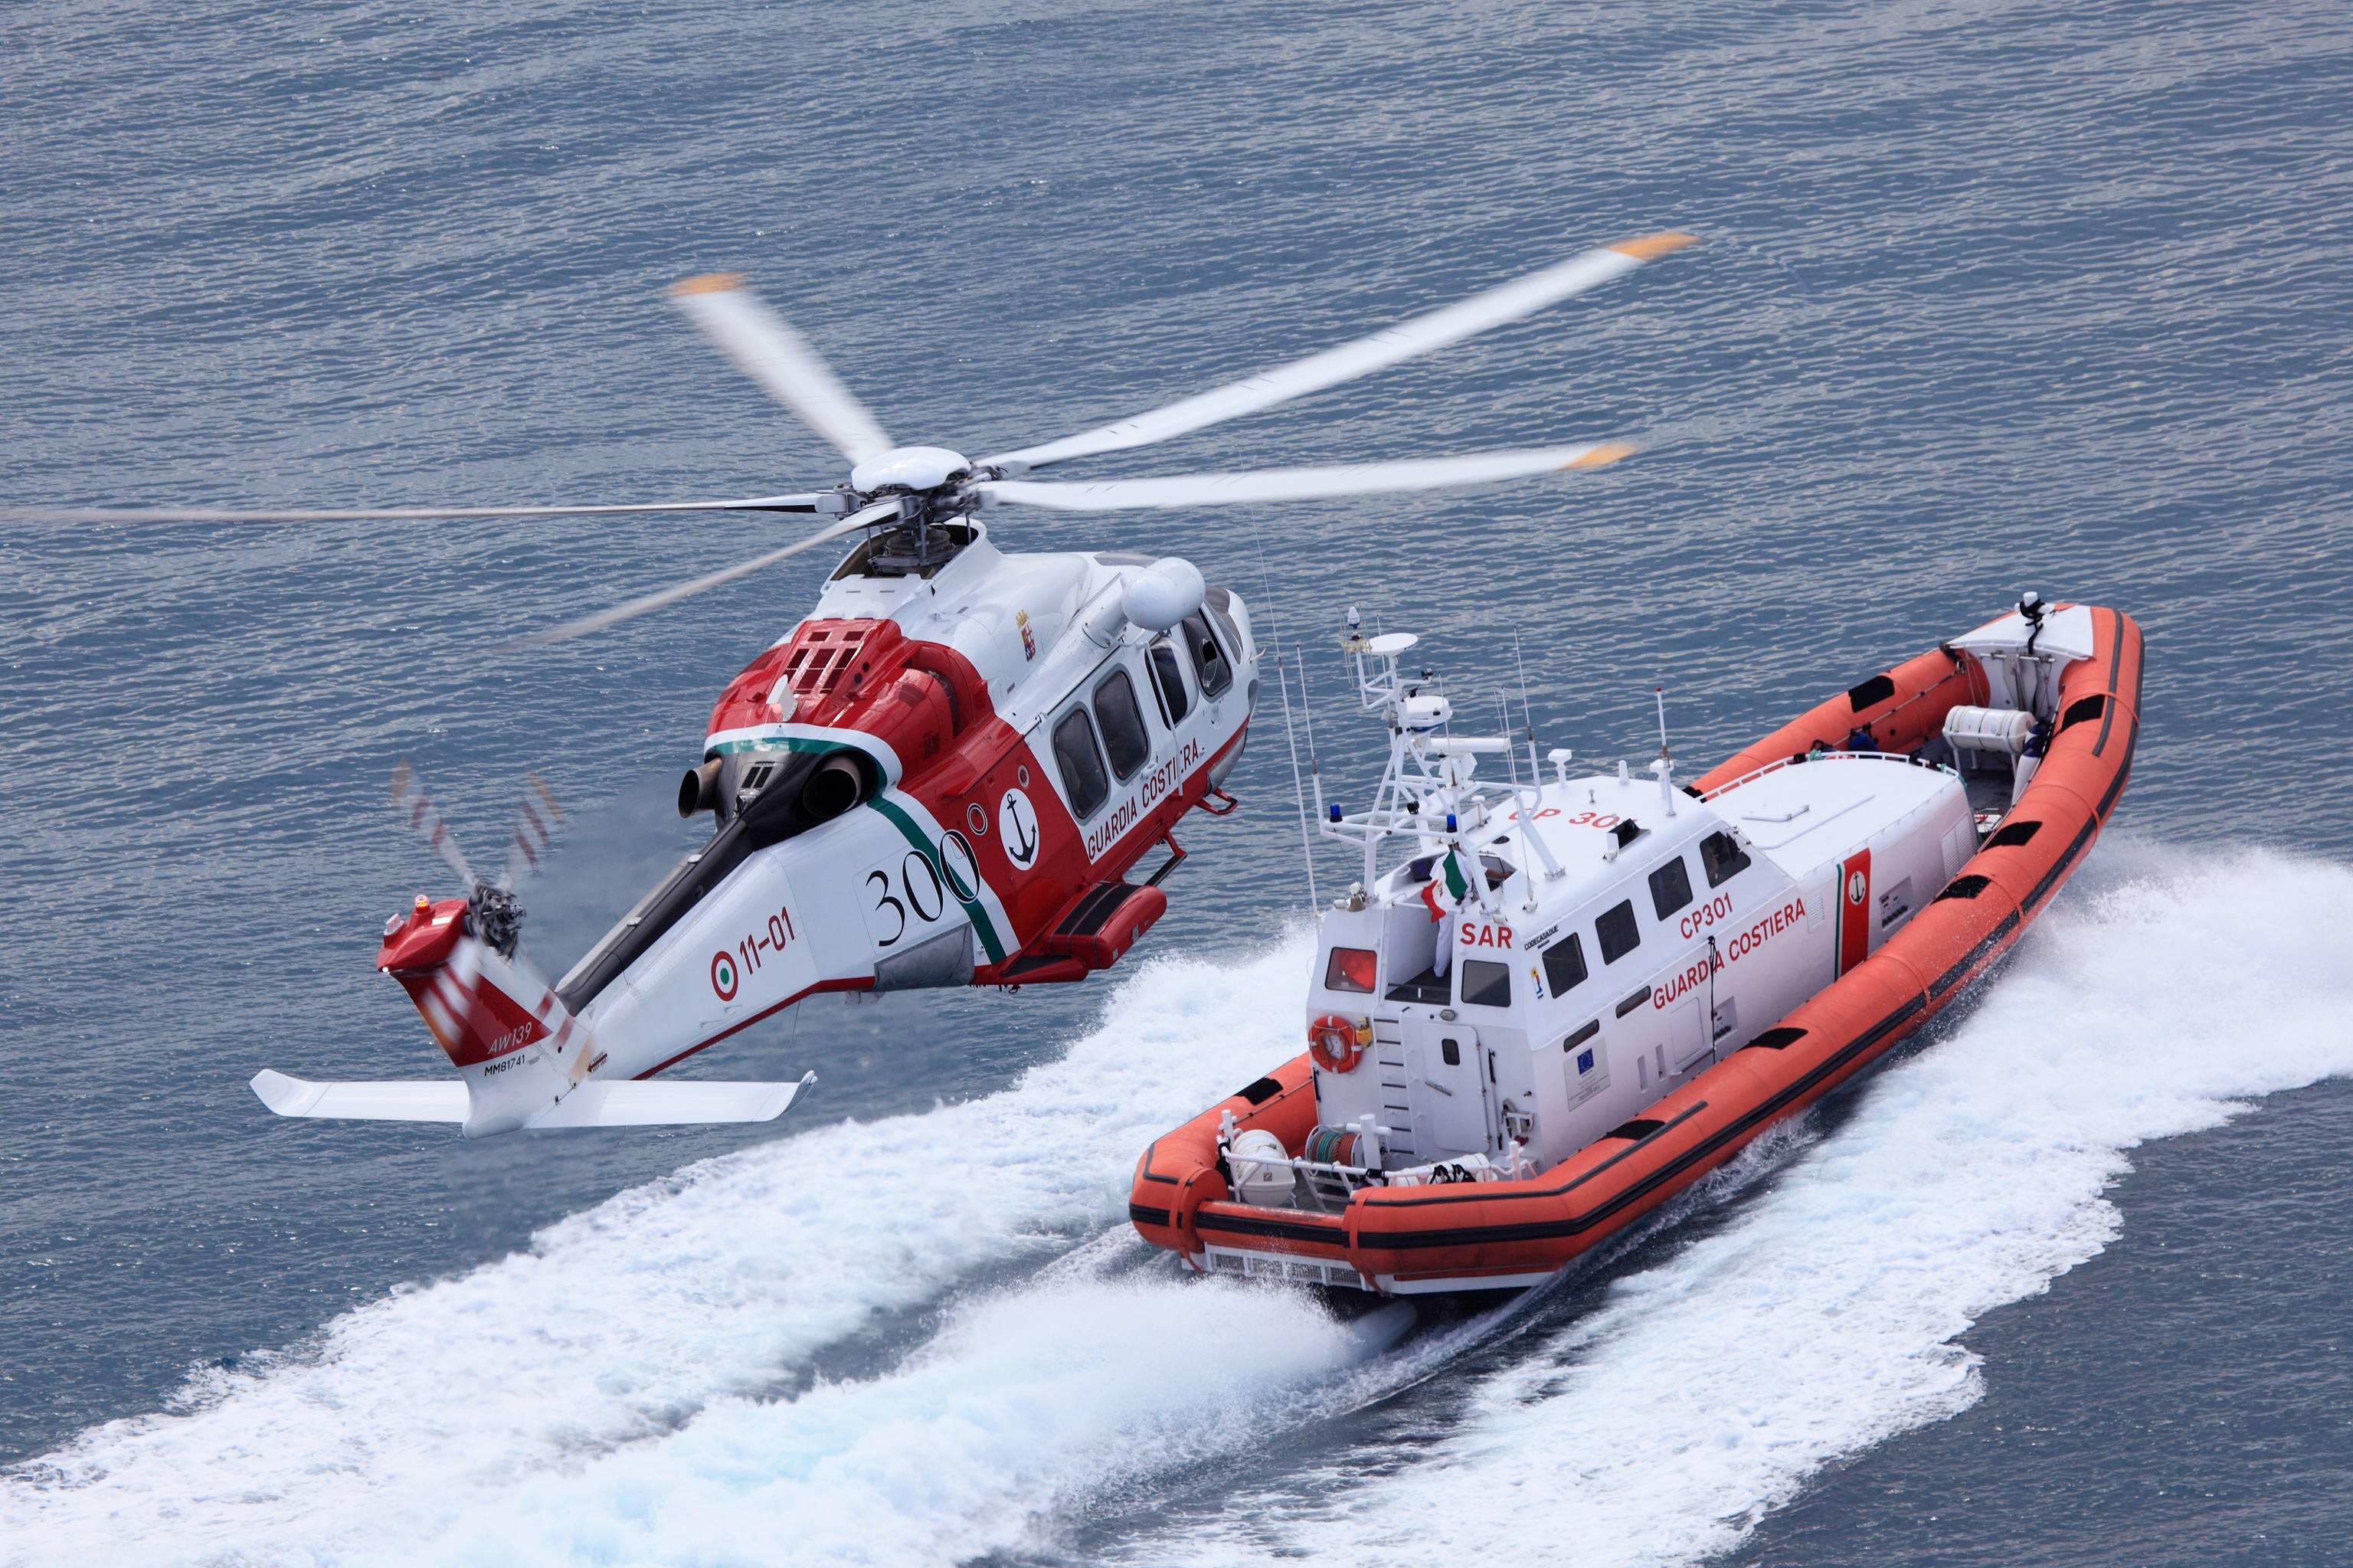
609 1397
1827 1315
623 1322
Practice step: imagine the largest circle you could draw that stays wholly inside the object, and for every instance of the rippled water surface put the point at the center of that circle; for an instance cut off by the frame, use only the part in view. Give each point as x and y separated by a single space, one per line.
1992 297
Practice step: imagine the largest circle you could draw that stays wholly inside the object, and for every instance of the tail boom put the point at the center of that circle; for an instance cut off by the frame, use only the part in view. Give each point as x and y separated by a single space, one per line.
523 1059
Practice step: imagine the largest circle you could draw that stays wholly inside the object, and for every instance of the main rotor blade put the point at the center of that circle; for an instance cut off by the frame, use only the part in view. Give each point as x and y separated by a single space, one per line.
811 502
1298 483
879 513
771 352
1420 336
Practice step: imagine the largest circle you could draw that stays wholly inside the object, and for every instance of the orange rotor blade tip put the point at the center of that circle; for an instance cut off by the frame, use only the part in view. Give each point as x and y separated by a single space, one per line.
716 283
1601 456
1650 247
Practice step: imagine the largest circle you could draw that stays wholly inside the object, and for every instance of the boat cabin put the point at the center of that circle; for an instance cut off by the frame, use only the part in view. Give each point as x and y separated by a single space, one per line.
1674 931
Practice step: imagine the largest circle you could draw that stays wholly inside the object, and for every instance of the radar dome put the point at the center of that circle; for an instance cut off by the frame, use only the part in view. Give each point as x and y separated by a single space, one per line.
1162 593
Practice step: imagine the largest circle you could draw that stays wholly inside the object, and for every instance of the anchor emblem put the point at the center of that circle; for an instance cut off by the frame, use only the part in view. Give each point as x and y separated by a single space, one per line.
1017 827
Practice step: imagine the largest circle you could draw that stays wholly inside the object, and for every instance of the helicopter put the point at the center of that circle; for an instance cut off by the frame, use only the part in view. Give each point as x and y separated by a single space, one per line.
943 775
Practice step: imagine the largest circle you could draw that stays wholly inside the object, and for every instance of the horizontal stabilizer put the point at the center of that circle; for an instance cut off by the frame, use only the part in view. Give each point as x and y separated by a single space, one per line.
672 1104
420 1100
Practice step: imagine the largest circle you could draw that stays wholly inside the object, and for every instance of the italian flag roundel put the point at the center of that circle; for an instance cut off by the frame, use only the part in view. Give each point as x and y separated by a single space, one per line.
1446 886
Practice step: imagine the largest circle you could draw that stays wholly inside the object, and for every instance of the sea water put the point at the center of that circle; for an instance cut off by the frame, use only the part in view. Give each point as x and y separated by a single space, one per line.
1990 297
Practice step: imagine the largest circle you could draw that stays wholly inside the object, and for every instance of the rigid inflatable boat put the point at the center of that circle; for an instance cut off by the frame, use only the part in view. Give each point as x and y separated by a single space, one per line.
1575 996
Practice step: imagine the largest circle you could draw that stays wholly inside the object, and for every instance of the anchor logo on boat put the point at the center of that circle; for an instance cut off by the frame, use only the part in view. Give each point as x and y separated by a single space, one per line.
1016 821
1857 888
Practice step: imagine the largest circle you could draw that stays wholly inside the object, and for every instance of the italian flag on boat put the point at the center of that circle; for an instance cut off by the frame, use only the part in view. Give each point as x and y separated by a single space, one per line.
1446 886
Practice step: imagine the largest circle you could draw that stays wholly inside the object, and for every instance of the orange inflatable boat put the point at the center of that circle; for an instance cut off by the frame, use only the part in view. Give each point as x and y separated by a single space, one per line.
1565 1001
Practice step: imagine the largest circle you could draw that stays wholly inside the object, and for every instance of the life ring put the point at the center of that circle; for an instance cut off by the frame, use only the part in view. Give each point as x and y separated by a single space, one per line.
1332 1041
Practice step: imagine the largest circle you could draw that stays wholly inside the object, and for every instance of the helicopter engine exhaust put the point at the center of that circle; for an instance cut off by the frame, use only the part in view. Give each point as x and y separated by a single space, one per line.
836 786
698 791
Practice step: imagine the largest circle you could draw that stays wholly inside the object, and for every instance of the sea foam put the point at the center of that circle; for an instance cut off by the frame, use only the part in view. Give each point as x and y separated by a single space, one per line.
1824 1313
1830 1312
622 1322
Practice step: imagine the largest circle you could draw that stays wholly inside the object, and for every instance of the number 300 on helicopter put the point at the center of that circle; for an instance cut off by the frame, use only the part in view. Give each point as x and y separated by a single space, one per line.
943 776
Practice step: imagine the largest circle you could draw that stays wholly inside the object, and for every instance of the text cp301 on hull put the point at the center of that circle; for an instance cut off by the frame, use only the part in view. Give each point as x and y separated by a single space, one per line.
1627 981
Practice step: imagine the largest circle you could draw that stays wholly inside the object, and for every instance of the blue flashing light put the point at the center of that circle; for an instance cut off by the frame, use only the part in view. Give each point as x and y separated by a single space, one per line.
1336 810
1450 821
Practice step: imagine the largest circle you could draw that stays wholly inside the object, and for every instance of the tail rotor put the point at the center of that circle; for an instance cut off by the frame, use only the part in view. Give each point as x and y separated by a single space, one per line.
493 910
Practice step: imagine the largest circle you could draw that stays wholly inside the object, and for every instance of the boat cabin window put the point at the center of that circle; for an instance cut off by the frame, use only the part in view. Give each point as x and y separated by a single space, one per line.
1618 933
1076 755
1208 659
1123 723
1426 867
1168 681
1563 965
1721 856
1351 969
1486 984
1670 887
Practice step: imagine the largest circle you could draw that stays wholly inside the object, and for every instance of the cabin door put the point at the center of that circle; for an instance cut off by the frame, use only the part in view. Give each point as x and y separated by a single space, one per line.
1450 1092
1688 1044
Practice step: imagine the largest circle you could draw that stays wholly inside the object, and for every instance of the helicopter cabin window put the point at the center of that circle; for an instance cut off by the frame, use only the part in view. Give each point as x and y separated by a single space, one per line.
1168 681
1081 762
1208 659
1563 965
1618 933
1721 856
1229 634
1670 887
1123 723
1486 984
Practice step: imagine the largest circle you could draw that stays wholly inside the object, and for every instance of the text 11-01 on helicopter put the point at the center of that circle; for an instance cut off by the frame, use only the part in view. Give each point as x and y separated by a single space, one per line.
942 776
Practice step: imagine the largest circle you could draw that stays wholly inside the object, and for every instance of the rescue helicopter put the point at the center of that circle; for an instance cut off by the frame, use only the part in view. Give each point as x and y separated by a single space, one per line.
943 775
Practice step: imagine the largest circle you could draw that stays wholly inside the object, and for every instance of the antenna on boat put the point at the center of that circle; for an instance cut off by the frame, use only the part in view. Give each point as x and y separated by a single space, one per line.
1528 714
1298 790
1665 766
1298 787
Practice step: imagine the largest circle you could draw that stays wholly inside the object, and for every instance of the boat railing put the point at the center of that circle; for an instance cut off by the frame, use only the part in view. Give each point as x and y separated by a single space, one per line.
1323 1187
1317 1186
1797 758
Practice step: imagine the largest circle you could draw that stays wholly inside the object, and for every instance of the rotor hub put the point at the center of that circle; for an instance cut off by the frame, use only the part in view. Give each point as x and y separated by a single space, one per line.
909 468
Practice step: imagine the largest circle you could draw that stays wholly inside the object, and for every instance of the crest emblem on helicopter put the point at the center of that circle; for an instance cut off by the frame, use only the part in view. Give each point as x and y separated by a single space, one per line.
836 763
1016 825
